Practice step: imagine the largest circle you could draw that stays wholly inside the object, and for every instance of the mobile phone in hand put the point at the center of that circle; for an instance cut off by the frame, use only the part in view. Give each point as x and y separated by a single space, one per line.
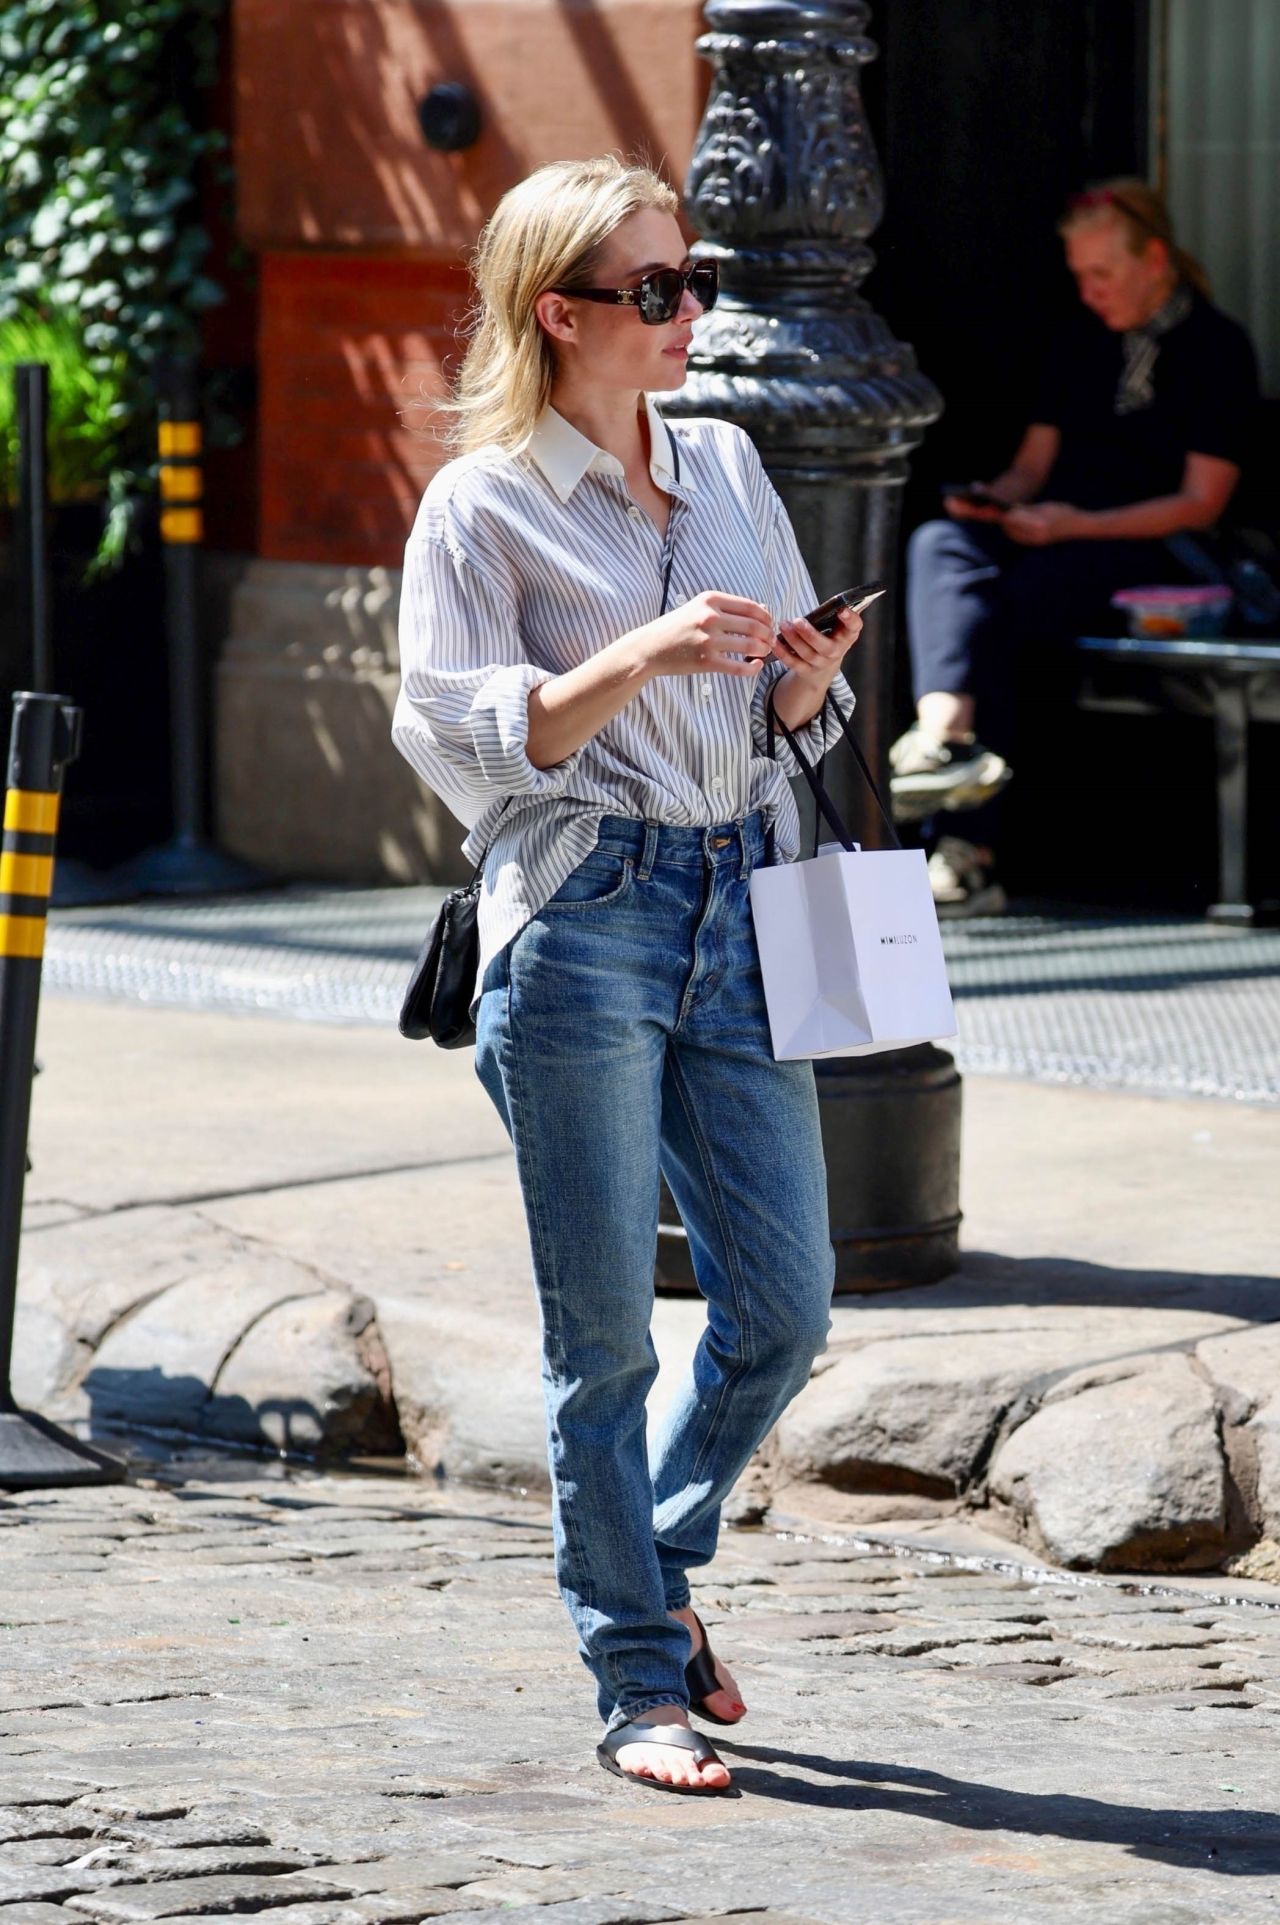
828 613
975 494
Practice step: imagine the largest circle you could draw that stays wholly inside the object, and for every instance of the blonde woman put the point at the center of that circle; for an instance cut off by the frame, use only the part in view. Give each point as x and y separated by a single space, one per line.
595 604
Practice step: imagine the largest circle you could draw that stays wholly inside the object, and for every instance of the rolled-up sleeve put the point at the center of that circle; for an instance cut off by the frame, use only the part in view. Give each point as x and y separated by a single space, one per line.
462 716
792 594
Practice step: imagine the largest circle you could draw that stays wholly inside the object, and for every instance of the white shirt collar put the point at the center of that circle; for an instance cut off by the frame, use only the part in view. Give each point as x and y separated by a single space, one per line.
564 455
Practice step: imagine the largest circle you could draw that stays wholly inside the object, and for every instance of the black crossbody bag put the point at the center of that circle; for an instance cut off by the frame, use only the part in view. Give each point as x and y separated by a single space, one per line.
437 1002
442 988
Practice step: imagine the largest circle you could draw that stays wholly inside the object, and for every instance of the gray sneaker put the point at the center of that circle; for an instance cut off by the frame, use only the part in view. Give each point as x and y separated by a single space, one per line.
962 881
928 775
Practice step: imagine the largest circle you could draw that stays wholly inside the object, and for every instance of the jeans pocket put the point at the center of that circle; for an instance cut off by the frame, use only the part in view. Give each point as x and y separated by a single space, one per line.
601 879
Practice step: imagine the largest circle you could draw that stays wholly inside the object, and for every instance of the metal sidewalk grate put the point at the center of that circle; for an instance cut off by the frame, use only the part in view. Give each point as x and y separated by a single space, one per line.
1172 1007
1166 1006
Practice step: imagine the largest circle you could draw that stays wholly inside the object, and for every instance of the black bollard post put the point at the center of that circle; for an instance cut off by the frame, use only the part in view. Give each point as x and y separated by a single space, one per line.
189 864
34 1454
784 188
77 883
31 393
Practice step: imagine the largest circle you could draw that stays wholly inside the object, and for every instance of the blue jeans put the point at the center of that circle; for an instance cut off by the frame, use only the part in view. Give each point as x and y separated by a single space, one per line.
624 1031
986 614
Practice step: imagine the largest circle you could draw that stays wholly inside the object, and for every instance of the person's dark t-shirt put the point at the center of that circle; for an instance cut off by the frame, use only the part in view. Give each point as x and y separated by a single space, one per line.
1205 401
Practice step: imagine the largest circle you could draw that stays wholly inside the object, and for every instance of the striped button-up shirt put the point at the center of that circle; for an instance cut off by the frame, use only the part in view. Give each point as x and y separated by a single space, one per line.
519 567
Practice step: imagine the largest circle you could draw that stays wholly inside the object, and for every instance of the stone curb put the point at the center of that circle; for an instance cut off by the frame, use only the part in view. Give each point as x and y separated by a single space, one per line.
157 1319
1154 1459
313 1240
1087 1451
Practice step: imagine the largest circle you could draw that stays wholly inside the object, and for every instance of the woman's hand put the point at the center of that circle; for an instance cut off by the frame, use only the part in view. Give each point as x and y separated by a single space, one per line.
813 658
1043 522
714 634
813 662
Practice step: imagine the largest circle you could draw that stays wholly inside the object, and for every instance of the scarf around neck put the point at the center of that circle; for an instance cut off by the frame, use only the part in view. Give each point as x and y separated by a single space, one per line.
1142 348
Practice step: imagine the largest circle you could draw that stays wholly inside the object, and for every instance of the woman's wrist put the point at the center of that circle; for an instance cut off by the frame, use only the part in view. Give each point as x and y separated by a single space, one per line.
633 659
799 697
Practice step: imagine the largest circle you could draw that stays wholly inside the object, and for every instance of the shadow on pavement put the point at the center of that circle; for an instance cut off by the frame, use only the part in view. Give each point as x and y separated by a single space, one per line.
1238 1843
988 1280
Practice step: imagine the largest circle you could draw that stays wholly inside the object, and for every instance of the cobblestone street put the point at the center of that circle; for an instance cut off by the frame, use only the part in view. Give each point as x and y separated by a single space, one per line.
353 1700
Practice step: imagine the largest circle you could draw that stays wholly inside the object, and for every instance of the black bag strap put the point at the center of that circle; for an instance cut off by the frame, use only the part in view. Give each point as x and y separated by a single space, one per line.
671 553
476 872
826 807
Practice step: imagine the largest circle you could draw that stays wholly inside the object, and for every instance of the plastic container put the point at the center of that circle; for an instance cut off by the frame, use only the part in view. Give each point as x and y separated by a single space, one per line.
1175 614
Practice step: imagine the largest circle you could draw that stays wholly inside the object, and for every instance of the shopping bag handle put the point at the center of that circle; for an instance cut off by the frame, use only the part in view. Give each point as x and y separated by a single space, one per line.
826 808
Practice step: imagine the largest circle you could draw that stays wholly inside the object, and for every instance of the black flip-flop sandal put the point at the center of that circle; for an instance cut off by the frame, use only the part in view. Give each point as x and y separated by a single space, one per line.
679 1738
701 1680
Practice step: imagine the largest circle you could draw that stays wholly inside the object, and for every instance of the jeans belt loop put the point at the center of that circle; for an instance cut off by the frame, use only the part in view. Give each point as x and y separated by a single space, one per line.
649 854
744 850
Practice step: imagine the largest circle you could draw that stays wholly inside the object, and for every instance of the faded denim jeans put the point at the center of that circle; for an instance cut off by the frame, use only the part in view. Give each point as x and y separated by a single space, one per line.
623 1031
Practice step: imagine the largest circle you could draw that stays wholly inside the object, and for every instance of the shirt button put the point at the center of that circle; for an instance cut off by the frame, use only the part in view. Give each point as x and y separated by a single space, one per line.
634 512
717 784
704 689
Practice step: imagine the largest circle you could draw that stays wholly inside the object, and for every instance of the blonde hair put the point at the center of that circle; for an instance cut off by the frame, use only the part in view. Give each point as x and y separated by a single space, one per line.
548 231
1140 211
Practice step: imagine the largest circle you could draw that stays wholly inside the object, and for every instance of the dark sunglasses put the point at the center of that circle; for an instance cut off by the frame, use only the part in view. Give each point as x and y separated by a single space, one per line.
659 293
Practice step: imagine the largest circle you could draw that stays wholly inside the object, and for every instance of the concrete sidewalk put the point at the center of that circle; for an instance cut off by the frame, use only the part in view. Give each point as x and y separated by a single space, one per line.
261 1230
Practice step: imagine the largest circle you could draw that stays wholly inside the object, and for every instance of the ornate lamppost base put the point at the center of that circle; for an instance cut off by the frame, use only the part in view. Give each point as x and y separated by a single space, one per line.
891 1136
784 189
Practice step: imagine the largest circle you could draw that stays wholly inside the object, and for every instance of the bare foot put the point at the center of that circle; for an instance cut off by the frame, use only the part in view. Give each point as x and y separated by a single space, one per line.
665 1762
727 1702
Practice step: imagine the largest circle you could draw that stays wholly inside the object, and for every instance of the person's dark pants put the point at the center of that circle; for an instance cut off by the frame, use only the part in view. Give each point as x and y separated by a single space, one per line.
990 618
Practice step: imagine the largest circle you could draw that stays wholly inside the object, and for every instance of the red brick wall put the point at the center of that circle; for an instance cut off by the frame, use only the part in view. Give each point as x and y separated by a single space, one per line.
359 229
229 346
328 149
348 345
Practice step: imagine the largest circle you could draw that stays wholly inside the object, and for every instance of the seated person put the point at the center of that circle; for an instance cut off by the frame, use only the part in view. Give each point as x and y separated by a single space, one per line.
1138 433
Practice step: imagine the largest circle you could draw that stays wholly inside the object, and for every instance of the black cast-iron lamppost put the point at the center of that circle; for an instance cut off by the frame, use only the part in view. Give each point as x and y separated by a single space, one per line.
784 188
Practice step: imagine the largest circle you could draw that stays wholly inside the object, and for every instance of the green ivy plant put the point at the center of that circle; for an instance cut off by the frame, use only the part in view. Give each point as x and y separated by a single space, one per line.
102 139
93 445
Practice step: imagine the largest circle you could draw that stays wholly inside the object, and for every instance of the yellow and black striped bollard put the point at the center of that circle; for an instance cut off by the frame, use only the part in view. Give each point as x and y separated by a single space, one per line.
34 1454
26 871
181 481
182 531
189 863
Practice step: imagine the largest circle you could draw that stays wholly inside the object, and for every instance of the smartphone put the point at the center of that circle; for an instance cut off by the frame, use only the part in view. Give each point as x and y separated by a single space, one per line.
975 493
825 617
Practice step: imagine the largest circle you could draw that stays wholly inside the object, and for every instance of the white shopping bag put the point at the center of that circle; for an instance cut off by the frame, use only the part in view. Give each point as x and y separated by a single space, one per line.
851 954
